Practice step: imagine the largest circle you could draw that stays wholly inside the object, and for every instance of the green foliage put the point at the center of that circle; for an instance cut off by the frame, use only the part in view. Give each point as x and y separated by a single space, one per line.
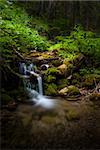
16 31
79 40
87 71
40 25
50 78
62 83
51 89
52 71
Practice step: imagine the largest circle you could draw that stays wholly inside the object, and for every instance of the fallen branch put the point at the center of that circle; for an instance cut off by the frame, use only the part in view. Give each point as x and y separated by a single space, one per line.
13 72
18 54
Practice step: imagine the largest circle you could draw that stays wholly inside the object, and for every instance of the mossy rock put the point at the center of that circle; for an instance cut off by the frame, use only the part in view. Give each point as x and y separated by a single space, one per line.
66 62
70 90
51 89
72 115
5 99
73 90
56 63
65 69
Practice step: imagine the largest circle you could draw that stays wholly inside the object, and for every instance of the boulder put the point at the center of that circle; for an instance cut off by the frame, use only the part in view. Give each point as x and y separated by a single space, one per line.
63 91
70 90
62 68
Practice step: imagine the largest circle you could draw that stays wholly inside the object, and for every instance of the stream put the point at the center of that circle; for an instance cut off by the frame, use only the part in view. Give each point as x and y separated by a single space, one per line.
35 96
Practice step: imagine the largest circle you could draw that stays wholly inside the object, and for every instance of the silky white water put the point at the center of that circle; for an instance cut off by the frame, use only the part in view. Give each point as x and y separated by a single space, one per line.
41 100
40 85
35 96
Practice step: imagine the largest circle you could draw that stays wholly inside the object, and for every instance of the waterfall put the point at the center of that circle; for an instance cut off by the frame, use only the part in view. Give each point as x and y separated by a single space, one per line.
36 97
40 85
29 70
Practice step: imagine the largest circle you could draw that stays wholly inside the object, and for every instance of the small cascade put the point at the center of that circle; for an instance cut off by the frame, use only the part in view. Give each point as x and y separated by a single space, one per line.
35 96
40 85
26 70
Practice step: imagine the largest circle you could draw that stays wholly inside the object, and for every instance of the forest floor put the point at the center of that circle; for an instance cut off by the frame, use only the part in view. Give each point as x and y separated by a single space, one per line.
71 125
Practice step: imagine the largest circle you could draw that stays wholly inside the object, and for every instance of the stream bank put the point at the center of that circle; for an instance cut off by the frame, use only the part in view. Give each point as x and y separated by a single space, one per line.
71 125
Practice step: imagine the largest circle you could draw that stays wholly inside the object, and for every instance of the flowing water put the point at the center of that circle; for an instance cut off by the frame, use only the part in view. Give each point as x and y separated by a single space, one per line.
35 96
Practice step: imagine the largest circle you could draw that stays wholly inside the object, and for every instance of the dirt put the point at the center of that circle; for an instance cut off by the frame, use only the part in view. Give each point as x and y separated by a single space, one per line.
72 125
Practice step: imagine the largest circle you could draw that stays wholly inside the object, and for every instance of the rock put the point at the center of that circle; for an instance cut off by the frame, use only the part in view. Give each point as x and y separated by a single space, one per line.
57 63
63 91
62 68
44 66
73 90
70 90
66 69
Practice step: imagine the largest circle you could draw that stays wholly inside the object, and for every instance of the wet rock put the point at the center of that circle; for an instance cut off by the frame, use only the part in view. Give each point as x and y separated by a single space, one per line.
44 66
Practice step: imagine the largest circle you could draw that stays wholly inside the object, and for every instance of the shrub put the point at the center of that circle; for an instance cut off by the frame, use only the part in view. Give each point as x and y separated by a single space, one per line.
15 31
79 40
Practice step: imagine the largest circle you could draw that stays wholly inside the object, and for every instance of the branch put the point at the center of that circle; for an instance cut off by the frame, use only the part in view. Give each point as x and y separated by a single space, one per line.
18 54
13 72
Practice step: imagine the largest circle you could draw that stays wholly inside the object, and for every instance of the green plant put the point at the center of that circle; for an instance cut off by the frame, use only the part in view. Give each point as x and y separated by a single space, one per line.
79 41
16 32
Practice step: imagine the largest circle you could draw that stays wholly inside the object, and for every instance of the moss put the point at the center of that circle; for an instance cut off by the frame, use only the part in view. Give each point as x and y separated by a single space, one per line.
56 63
66 62
51 89
62 83
70 90
73 90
